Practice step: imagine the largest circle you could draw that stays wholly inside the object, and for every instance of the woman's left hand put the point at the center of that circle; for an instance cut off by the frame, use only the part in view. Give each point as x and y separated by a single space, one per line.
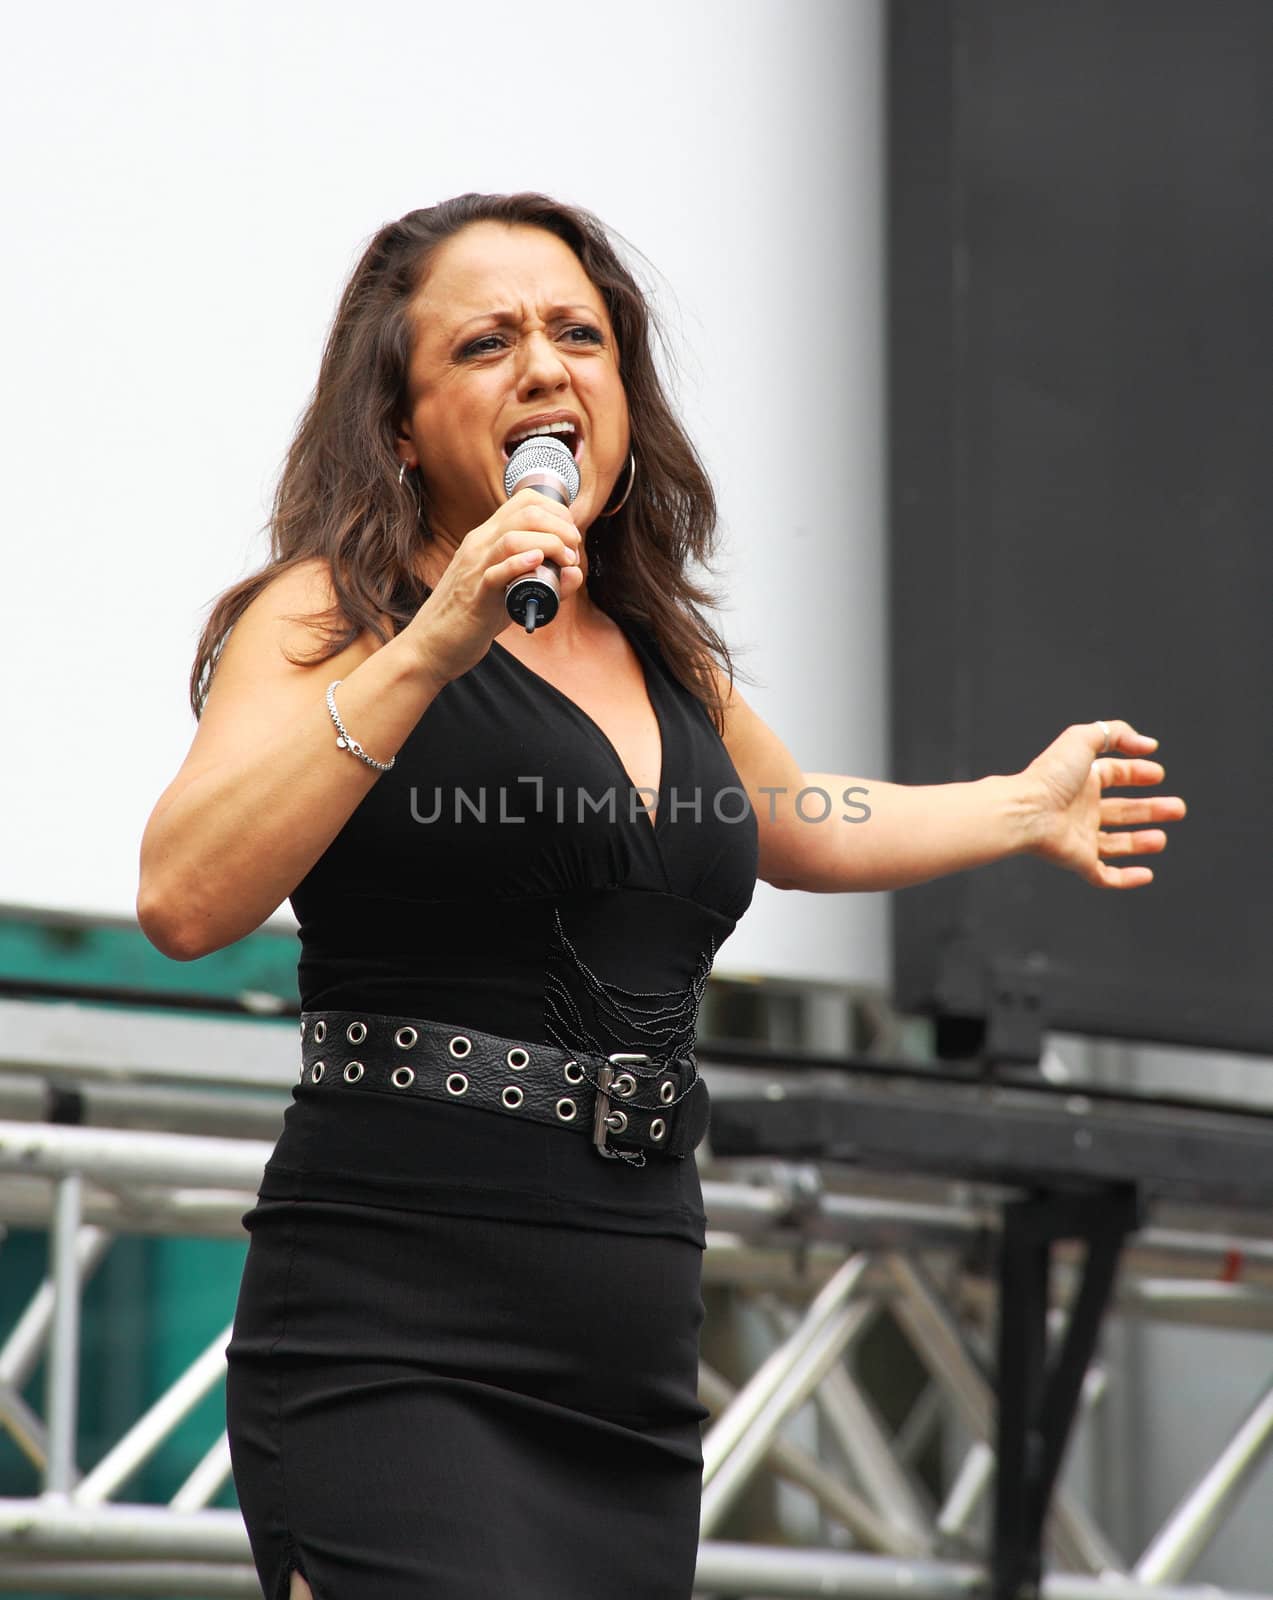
1073 814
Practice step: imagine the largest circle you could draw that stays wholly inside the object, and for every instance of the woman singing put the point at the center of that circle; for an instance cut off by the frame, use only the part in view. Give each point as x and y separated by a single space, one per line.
464 1361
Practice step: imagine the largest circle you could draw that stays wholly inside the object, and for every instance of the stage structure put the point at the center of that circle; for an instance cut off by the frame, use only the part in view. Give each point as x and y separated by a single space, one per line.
117 1122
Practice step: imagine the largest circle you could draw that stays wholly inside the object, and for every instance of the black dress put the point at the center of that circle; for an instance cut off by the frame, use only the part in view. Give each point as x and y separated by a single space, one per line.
464 1359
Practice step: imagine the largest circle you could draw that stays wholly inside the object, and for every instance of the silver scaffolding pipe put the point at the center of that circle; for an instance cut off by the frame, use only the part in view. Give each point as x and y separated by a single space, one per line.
124 1156
836 1499
976 1473
25 1427
724 1569
160 1107
53 1525
857 1430
62 1386
20 1354
130 1578
187 1163
205 1213
732 1426
737 1570
153 1427
209 1474
74 1040
806 1370
1191 1527
786 1260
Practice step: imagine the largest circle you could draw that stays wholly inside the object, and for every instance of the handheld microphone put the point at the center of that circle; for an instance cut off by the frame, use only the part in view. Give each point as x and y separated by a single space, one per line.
544 464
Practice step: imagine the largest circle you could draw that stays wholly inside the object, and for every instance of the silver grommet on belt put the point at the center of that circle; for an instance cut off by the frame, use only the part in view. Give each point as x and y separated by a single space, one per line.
617 1121
402 1077
405 1038
460 1046
512 1097
566 1110
518 1058
356 1032
457 1083
624 1085
320 1031
302 1072
667 1091
572 1072
353 1072
658 1128
316 1071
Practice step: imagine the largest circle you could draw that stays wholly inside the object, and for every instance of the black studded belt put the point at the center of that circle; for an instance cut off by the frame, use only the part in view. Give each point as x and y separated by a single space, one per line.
627 1103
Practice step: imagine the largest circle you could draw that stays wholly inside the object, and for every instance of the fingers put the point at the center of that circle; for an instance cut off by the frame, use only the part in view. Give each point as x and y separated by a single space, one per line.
1140 842
1122 736
1133 774
1121 877
529 509
1137 842
1153 808
530 522
514 566
519 547
523 561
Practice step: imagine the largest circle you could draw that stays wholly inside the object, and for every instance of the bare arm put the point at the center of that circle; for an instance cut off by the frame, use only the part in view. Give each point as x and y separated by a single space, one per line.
264 789
880 835
827 833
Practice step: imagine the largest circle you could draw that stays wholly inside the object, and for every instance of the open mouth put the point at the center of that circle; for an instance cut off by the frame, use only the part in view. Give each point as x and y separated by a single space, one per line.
566 431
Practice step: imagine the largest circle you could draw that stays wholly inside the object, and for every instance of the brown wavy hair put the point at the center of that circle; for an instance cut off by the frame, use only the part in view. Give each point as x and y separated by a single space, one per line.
339 495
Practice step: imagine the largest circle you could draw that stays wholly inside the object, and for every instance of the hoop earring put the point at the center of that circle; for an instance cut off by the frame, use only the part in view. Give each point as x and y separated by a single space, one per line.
415 493
627 491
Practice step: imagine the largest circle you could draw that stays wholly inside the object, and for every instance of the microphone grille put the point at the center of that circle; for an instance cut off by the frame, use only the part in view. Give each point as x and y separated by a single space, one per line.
542 454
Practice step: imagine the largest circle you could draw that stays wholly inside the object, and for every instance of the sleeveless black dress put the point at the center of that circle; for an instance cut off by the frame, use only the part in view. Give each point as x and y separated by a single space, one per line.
464 1358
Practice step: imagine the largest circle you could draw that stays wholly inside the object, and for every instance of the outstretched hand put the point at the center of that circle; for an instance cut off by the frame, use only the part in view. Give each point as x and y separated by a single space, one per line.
1074 814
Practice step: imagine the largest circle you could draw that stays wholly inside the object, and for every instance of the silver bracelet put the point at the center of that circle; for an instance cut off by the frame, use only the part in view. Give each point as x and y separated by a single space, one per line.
344 740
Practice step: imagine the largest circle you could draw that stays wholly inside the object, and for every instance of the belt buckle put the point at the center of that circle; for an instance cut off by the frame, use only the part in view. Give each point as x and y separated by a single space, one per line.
607 1120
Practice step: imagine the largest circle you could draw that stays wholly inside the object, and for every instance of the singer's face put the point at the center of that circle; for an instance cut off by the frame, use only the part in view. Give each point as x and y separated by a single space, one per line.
510 332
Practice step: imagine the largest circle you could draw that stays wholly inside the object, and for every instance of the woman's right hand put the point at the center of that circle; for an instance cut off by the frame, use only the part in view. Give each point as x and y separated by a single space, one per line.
454 627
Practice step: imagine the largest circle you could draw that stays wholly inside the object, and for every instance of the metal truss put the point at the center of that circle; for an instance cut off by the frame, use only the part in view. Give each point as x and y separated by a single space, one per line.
815 1256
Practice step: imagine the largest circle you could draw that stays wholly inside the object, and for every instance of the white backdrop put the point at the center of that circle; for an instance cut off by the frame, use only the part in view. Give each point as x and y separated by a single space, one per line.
187 187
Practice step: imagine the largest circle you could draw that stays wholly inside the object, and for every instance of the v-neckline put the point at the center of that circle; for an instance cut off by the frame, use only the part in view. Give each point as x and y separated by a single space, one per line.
651 695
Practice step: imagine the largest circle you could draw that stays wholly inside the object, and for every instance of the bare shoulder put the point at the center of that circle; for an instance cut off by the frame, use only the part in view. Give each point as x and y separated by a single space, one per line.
274 665
294 605
294 616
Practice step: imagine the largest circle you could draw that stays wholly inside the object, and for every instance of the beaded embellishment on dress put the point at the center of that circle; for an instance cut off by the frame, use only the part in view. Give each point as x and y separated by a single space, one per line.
661 1022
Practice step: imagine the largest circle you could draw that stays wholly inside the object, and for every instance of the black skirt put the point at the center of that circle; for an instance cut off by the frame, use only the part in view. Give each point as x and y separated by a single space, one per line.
433 1406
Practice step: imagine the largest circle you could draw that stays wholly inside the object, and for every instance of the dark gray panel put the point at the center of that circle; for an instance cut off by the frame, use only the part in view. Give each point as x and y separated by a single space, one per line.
1082 480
